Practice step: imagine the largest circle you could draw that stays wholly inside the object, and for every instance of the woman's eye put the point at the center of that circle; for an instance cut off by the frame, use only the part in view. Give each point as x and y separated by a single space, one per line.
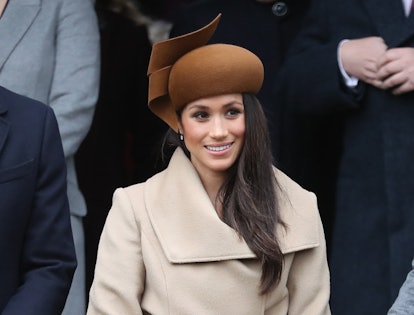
233 112
200 115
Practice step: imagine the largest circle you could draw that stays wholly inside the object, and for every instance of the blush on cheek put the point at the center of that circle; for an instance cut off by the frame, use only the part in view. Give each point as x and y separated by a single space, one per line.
240 132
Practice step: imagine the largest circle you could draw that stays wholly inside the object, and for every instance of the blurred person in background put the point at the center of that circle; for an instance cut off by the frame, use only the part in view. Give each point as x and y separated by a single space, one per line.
123 142
355 59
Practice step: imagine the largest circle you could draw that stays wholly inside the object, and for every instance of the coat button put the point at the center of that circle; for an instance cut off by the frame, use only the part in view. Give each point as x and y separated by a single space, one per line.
279 9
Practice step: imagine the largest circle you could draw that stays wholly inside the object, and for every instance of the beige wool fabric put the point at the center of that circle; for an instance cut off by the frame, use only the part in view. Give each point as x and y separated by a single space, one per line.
164 250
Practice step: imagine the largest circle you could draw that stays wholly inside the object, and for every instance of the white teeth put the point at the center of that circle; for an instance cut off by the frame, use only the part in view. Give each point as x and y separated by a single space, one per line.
220 148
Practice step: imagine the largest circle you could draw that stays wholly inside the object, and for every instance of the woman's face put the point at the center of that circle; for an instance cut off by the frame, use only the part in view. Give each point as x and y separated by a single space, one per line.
214 129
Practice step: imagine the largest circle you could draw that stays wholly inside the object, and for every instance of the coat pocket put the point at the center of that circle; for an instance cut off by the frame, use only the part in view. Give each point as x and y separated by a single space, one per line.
17 171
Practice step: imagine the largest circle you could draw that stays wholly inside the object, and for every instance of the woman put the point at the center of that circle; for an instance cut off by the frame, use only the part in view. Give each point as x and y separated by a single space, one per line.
220 231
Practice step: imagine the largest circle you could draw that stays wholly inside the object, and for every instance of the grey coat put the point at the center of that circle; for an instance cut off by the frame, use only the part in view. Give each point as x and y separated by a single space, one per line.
404 304
49 51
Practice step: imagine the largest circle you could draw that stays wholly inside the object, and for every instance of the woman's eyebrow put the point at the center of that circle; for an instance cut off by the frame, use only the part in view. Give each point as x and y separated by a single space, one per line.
198 106
204 107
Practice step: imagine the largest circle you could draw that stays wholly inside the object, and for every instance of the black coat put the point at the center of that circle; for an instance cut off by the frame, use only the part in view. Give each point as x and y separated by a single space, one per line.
373 238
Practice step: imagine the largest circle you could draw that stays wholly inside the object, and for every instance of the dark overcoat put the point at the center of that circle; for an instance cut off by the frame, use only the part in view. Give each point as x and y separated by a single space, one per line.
373 238
36 245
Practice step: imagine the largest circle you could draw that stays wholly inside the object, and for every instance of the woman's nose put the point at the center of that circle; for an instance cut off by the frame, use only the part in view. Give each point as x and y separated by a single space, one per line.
218 128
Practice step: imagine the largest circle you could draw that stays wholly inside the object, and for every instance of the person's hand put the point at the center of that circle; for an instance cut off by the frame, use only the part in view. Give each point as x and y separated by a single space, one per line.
396 70
360 58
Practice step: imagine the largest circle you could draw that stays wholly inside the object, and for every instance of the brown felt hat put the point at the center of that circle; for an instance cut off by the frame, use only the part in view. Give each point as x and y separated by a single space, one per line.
184 69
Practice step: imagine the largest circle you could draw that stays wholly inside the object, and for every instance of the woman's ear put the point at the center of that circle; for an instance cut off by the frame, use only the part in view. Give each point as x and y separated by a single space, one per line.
180 127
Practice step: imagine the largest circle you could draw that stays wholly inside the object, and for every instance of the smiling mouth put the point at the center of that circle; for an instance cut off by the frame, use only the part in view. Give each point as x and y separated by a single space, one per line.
218 148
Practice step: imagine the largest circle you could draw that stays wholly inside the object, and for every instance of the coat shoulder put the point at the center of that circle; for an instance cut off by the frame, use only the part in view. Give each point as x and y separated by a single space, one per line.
299 212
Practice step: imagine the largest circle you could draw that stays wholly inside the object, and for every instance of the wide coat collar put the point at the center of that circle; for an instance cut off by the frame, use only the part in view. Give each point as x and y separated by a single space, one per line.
190 230
17 18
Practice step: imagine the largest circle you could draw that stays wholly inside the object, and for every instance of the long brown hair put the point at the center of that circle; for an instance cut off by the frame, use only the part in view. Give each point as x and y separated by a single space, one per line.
249 195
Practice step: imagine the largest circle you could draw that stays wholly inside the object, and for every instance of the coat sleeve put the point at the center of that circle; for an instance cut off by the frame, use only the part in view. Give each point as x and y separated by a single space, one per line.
48 257
404 304
119 272
75 85
309 280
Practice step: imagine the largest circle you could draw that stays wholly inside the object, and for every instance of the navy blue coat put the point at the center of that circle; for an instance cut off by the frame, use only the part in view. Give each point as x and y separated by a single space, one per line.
37 252
373 237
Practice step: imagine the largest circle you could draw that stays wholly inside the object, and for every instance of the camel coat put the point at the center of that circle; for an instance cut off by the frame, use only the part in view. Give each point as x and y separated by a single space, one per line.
164 250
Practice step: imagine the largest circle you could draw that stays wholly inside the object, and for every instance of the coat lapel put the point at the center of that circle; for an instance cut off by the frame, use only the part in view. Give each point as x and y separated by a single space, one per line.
407 34
4 124
389 18
184 219
16 20
189 228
